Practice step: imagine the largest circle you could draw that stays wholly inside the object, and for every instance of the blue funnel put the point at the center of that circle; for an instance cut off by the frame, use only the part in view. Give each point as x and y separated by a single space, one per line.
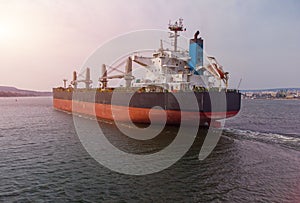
196 54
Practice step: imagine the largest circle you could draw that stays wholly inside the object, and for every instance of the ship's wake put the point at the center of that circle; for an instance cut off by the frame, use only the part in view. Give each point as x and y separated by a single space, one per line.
291 141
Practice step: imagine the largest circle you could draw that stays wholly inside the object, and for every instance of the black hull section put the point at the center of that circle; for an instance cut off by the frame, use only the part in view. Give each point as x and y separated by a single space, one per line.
207 101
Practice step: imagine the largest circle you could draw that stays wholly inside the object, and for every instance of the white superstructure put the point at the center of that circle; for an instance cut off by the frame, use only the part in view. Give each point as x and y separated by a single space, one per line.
173 70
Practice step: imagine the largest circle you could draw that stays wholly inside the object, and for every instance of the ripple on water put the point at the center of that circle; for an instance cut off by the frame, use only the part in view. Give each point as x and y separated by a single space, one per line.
41 159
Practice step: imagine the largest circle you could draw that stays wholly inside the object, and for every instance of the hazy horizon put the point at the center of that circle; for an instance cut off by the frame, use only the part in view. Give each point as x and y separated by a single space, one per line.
42 42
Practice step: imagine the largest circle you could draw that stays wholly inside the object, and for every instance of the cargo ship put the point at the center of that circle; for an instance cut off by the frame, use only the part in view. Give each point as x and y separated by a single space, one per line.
173 76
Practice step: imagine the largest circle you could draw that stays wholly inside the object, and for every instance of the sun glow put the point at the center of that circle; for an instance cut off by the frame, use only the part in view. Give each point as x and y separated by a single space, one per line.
7 32
4 32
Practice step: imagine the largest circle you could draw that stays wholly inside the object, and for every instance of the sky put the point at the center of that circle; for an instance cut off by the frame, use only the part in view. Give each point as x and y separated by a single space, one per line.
43 41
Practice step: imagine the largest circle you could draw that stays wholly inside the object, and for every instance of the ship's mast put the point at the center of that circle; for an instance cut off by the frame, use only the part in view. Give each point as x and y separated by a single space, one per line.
176 27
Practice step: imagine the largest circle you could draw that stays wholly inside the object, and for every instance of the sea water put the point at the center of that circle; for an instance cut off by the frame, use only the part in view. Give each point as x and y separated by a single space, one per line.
257 159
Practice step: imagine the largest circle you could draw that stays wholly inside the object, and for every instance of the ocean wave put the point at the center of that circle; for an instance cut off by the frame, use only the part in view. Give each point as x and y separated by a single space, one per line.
286 140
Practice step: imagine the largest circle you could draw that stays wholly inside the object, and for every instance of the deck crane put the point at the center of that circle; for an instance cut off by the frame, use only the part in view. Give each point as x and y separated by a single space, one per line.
87 78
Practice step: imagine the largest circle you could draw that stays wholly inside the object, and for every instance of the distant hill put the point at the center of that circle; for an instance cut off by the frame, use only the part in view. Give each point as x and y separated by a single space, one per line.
6 91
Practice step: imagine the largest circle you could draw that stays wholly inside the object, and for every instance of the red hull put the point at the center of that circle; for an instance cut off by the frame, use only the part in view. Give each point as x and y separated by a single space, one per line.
137 115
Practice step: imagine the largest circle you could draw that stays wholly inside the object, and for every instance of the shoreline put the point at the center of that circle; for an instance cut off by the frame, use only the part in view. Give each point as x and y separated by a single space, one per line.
271 99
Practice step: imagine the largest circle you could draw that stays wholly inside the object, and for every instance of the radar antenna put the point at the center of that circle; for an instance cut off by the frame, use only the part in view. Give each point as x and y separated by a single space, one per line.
176 27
